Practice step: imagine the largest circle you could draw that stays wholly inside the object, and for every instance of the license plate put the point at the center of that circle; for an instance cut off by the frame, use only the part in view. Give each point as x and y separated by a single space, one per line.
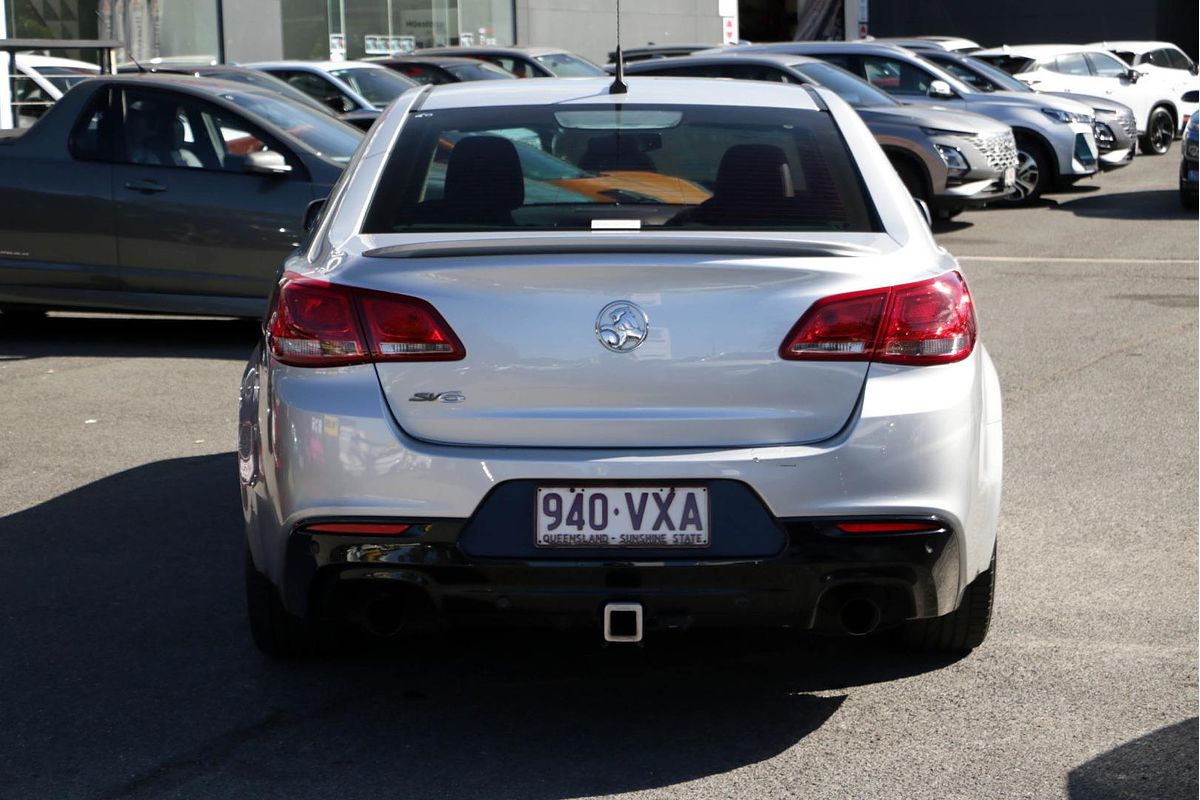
622 516
1010 176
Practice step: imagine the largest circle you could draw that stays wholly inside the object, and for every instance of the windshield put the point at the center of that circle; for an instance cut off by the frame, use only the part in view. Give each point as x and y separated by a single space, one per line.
378 86
623 168
565 65
851 88
330 137
265 81
482 71
64 78
1010 64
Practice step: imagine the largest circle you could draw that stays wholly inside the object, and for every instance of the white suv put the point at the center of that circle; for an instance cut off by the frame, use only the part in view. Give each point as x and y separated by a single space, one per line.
1093 71
1164 61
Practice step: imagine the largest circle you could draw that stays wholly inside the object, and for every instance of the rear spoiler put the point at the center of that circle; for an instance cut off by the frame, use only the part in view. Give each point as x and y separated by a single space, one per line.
604 244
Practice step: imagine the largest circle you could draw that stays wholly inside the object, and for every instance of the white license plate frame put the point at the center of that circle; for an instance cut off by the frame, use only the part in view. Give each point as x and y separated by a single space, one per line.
686 526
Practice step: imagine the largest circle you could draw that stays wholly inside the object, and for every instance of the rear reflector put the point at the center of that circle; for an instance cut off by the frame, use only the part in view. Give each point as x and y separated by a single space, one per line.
362 528
887 526
929 322
313 323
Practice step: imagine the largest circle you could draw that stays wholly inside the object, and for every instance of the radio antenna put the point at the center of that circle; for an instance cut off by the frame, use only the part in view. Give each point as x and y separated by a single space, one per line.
618 84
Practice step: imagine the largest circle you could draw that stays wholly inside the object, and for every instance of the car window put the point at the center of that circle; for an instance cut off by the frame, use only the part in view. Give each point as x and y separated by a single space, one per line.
1106 66
851 88
423 73
378 86
565 65
1071 64
91 138
316 87
482 71
895 76
1176 59
1129 57
967 76
63 78
549 168
1013 65
325 134
1157 58
521 69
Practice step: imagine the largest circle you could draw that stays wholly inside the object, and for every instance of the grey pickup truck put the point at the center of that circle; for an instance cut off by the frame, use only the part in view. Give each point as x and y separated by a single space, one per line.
160 193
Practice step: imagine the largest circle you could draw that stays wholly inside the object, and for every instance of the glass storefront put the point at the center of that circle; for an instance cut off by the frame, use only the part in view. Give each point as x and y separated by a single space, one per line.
358 28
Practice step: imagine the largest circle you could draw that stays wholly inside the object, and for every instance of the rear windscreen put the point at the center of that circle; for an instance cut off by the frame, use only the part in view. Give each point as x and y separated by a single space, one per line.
622 167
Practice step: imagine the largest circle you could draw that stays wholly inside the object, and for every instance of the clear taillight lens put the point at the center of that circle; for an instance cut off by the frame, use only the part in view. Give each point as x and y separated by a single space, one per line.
313 323
929 322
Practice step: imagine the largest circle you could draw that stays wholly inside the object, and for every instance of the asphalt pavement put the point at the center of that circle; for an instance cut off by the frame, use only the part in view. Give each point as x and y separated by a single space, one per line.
126 670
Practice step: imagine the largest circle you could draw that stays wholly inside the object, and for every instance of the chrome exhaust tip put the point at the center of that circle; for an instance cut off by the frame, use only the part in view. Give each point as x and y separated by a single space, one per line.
623 622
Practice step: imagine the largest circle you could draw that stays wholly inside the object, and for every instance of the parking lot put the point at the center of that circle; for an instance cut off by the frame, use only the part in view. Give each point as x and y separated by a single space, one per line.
128 672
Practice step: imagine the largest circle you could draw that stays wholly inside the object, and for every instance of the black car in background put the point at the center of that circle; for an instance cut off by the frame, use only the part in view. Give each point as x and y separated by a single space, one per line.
161 193
524 62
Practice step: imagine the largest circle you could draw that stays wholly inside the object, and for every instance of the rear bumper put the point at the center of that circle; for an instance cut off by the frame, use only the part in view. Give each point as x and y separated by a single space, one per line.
807 585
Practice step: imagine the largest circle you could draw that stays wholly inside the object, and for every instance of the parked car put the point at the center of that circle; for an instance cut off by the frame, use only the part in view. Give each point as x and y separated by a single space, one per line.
38 82
1056 145
473 405
1161 60
524 62
1189 178
355 88
949 160
442 69
1091 71
160 193
651 51
1115 128
947 44
254 77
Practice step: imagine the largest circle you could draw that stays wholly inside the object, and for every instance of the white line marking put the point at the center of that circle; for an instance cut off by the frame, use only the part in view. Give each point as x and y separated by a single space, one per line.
1058 260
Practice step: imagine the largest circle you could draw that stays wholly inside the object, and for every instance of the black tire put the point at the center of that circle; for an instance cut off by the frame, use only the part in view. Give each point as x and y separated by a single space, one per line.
1189 199
959 631
912 179
1160 132
276 632
1035 171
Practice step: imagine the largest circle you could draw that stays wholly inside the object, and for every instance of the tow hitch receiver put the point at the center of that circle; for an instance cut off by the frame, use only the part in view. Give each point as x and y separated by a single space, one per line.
623 622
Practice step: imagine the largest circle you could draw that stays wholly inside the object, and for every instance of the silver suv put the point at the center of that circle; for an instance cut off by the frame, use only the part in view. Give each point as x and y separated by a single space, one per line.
949 160
1055 142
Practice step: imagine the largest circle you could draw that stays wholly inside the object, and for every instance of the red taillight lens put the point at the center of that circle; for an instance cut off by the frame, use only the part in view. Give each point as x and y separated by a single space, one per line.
887 526
929 322
313 323
407 329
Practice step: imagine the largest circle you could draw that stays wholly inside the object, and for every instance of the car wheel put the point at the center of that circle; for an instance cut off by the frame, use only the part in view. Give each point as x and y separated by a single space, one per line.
911 178
1160 131
1034 172
1189 199
276 632
962 630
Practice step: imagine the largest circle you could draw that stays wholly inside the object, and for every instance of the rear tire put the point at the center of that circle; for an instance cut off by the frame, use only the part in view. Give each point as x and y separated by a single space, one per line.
276 632
959 631
1160 132
910 176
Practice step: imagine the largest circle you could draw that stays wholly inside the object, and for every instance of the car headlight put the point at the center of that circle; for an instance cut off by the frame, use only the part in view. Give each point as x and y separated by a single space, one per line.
1104 134
953 157
1194 122
1191 151
1066 116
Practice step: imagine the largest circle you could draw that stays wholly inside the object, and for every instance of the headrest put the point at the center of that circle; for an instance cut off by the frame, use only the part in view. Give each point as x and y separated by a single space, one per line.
484 173
754 173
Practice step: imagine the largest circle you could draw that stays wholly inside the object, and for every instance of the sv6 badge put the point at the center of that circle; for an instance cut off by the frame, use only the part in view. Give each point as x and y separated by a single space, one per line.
453 396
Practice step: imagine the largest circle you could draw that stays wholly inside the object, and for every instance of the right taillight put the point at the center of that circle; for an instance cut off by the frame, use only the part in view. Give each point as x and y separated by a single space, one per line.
928 322
313 323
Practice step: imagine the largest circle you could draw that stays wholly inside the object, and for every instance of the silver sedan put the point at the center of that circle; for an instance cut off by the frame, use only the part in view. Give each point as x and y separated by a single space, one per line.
684 354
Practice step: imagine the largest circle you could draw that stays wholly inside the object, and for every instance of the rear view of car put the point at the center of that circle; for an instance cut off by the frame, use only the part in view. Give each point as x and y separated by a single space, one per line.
752 396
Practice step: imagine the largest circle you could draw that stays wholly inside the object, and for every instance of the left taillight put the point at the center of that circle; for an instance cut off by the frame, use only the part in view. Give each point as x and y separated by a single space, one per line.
314 323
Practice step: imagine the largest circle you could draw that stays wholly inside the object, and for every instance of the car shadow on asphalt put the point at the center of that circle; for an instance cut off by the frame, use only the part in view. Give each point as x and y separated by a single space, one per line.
1152 204
61 334
1162 764
128 672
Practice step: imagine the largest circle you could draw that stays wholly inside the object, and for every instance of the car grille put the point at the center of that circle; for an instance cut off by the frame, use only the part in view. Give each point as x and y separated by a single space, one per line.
1128 123
1000 150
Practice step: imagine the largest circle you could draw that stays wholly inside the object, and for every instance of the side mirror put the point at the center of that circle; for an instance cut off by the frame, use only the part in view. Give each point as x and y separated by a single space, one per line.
312 213
941 89
1132 75
924 207
266 162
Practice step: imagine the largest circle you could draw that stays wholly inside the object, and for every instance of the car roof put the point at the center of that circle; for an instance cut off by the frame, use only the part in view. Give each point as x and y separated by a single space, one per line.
34 60
1037 51
490 50
873 47
432 58
774 59
646 90
1137 48
319 66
